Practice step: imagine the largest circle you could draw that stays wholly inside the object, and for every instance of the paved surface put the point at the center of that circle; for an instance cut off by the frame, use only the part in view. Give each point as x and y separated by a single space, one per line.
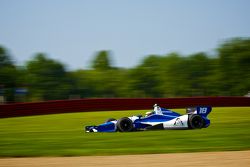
204 159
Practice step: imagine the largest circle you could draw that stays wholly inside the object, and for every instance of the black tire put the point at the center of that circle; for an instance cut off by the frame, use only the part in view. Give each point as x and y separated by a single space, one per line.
124 125
195 121
110 119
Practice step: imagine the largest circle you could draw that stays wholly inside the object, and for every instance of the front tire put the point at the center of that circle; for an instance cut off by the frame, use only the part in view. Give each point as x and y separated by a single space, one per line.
196 122
124 125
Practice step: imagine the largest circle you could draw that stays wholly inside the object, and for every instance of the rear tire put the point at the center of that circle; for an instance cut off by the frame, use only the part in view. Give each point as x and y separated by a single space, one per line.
124 125
196 121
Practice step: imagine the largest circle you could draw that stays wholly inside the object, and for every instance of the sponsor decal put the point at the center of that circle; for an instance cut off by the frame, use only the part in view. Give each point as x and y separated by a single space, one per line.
178 122
203 110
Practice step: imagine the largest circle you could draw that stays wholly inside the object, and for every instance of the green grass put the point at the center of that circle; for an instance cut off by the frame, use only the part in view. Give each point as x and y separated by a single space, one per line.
63 135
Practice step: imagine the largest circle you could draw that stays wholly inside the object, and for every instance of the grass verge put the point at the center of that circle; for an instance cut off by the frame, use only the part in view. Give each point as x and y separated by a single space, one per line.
63 135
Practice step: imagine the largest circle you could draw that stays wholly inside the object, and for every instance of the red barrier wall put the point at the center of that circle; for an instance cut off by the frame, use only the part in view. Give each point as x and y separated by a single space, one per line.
82 105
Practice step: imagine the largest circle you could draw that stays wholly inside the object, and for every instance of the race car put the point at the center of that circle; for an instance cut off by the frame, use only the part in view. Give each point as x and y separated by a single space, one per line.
159 118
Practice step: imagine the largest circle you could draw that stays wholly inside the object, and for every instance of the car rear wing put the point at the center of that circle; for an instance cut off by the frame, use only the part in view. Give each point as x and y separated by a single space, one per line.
200 110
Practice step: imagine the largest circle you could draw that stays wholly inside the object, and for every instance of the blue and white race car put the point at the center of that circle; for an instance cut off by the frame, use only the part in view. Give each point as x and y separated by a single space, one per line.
159 118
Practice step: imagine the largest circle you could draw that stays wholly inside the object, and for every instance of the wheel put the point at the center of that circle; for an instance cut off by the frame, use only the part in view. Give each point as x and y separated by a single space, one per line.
110 119
124 124
196 121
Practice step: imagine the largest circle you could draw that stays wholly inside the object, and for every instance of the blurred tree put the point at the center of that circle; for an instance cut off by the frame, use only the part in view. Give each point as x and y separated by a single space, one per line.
5 59
234 61
96 83
47 79
144 79
198 69
8 74
152 62
172 75
212 80
102 61
143 83
85 82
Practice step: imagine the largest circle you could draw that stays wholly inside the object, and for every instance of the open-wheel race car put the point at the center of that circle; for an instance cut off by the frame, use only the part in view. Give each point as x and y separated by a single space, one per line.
159 118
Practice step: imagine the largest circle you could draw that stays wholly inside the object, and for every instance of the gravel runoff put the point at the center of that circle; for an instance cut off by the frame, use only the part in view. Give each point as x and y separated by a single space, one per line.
204 159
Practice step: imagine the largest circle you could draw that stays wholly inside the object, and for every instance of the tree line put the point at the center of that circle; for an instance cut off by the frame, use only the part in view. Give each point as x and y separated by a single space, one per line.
172 75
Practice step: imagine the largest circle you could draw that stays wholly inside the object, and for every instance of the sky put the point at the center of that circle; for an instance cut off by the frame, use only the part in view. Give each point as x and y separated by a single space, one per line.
74 31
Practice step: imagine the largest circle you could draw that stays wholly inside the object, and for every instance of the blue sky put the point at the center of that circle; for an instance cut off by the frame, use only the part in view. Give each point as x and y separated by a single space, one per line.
73 31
